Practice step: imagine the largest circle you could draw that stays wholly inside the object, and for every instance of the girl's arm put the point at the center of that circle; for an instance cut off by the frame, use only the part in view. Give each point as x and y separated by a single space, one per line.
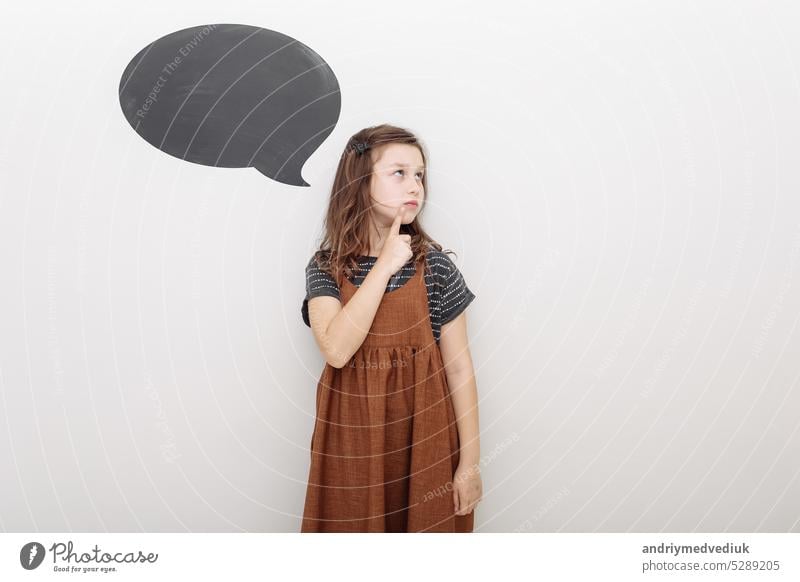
454 347
340 331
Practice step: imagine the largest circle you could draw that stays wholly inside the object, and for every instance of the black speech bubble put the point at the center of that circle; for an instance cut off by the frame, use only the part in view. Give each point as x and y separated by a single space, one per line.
232 96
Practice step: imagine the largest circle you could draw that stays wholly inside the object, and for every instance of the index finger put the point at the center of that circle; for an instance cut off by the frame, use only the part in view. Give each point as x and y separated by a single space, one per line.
398 219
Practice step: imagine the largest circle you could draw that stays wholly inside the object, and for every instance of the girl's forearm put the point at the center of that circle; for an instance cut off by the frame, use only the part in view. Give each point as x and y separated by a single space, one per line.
464 394
347 331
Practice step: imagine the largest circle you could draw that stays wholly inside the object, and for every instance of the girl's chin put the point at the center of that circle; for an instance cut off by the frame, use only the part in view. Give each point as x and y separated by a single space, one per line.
408 217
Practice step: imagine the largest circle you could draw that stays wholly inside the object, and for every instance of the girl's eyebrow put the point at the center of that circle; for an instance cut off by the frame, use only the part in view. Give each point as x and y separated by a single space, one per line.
406 165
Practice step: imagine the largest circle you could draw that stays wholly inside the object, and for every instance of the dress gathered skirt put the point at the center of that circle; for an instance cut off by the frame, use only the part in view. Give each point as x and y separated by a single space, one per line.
385 443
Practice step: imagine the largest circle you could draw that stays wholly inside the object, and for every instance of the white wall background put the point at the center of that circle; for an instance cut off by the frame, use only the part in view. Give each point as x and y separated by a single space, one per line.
619 180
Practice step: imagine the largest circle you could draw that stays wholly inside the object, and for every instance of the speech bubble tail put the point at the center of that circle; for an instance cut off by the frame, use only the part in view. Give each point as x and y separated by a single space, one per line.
288 175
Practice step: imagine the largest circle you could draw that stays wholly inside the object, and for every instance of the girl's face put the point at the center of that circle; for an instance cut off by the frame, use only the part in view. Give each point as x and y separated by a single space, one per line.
397 181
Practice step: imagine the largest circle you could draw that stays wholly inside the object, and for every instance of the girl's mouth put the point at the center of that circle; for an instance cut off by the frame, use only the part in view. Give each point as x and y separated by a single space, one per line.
413 204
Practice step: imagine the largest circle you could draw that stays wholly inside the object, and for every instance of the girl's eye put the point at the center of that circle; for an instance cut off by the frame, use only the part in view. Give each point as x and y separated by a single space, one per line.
418 173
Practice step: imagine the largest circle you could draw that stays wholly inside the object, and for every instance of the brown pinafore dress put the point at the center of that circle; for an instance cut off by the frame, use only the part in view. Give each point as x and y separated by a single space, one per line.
385 442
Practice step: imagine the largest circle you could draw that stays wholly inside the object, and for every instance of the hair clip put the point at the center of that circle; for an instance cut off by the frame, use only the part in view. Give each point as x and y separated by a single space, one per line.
360 147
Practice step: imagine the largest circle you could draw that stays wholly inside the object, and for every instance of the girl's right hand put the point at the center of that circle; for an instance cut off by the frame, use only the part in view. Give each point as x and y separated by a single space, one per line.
396 250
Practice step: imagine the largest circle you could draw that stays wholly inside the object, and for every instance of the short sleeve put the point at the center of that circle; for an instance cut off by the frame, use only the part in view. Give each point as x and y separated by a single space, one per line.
456 296
318 283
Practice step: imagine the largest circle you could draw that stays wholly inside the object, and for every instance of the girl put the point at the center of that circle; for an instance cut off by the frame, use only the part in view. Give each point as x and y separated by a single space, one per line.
395 446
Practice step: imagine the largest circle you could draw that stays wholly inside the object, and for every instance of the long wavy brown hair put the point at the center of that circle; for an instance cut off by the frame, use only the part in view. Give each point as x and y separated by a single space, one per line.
347 221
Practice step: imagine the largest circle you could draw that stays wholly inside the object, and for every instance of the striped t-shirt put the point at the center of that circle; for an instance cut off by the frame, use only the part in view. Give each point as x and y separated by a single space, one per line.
448 294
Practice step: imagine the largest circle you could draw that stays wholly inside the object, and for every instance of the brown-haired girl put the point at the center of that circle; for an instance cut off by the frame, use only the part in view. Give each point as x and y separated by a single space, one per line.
395 446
